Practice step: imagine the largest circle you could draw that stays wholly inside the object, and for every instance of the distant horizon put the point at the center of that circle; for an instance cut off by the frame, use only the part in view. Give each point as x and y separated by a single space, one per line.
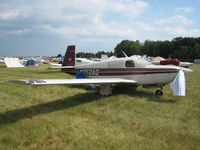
45 28
82 51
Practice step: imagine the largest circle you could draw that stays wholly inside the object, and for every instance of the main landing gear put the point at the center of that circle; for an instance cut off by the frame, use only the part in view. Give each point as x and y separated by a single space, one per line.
159 92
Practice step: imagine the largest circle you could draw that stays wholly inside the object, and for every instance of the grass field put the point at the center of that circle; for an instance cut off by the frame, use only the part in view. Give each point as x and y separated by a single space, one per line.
70 117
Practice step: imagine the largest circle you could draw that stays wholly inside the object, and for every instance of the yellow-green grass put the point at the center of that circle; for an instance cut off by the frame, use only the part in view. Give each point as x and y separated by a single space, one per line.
70 117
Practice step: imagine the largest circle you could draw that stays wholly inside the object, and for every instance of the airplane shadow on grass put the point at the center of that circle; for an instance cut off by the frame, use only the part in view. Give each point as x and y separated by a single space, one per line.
137 93
49 71
28 112
3 67
131 91
68 102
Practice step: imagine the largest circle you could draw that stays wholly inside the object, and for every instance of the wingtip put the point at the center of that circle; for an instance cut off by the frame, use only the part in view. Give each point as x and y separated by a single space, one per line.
21 81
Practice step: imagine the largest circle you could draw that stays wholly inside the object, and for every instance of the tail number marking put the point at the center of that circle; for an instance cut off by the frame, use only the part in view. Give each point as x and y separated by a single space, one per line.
90 72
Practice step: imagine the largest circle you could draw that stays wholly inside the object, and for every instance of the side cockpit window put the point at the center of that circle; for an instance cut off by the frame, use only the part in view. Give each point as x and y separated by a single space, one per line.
129 63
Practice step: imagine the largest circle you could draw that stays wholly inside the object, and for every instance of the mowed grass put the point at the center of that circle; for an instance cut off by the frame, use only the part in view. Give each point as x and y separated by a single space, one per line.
71 117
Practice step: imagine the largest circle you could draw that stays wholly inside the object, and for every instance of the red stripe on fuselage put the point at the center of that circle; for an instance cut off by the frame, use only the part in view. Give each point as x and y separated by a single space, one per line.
125 71
133 73
135 69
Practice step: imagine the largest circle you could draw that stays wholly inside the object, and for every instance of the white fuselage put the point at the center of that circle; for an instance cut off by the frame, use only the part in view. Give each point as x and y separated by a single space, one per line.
137 69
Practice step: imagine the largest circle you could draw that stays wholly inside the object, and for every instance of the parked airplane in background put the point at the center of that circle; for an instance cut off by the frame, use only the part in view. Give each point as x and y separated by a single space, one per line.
175 62
78 61
127 70
185 64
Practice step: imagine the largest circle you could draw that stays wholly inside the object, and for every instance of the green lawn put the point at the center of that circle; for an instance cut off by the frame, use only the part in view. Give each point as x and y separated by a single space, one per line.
70 117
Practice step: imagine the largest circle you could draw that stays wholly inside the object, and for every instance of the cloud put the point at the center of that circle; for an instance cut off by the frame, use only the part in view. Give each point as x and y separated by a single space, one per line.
9 15
174 30
56 10
180 31
89 20
75 19
99 30
15 31
176 26
144 26
177 20
184 9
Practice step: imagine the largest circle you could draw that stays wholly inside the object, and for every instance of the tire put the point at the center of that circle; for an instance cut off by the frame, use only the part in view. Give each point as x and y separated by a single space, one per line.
159 92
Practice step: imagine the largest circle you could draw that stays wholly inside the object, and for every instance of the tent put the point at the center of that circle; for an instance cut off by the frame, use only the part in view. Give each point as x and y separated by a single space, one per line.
158 58
12 62
31 62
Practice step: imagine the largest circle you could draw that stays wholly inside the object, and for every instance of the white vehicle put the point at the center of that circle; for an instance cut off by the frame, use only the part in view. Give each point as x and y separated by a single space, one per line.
128 70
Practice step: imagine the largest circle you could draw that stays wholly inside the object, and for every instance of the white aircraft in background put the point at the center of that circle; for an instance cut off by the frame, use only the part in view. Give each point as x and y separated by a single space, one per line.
78 61
185 64
127 70
175 62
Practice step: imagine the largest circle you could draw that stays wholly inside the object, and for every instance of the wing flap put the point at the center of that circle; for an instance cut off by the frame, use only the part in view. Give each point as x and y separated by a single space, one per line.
74 81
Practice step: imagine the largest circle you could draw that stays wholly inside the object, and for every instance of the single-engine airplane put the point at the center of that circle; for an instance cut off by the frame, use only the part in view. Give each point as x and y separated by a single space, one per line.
127 70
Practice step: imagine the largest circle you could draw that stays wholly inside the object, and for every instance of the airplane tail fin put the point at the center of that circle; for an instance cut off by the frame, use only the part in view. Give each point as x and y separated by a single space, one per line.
69 59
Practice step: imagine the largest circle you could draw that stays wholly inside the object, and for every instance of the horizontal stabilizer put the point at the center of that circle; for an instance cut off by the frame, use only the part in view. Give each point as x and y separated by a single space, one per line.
74 81
61 67
54 64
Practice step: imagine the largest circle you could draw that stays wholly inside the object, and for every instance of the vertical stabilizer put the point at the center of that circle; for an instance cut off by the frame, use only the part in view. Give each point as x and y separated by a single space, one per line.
69 59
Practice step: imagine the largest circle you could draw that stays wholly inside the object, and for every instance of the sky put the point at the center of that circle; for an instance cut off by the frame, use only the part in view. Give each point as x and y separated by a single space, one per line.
46 27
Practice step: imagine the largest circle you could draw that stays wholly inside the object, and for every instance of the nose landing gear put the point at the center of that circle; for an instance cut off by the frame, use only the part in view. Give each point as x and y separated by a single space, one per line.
159 92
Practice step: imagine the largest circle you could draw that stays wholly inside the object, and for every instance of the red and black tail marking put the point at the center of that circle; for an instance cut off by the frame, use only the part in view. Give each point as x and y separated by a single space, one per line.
69 59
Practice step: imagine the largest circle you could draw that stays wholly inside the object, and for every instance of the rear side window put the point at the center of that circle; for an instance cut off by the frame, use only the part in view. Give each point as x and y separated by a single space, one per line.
129 63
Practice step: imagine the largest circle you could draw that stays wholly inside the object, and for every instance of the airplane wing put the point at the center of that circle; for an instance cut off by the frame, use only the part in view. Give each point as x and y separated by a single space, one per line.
74 81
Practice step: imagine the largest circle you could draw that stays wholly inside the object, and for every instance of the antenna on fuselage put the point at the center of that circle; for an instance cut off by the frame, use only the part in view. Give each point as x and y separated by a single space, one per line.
124 54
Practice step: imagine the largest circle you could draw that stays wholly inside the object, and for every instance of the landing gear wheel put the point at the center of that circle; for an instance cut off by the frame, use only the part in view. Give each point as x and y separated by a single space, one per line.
159 92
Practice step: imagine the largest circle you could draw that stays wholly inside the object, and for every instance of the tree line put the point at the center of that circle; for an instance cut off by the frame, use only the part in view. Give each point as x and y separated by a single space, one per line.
94 55
183 48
